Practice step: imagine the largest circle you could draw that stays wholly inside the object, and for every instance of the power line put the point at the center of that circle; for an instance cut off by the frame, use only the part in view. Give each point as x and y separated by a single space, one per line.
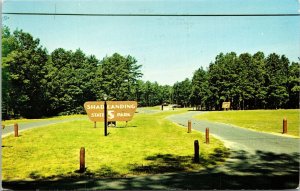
150 15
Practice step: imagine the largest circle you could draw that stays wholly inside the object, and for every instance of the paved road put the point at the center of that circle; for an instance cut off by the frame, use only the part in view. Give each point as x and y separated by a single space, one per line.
257 160
9 129
240 138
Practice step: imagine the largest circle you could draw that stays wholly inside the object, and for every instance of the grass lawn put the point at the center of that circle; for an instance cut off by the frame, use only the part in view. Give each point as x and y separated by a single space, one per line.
147 145
261 120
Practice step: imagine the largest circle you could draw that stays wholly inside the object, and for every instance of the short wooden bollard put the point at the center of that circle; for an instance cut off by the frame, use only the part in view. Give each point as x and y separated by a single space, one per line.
82 160
189 126
196 151
95 123
284 126
207 135
16 128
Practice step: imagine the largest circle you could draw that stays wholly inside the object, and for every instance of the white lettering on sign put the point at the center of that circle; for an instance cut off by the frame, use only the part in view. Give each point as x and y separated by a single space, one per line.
121 106
123 114
110 114
91 106
88 106
97 115
116 110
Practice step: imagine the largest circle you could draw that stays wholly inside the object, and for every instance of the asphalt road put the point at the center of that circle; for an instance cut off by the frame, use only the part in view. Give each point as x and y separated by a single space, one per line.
9 129
257 160
238 138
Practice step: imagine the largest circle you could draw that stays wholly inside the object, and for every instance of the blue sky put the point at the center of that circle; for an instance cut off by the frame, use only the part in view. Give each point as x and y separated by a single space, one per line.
169 48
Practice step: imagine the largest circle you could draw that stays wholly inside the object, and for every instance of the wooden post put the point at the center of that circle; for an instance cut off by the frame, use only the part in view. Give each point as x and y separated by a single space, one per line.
95 124
16 128
207 135
189 126
284 126
196 151
82 160
105 118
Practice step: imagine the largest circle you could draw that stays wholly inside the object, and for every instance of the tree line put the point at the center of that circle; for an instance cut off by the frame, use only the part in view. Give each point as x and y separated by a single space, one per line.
246 81
36 83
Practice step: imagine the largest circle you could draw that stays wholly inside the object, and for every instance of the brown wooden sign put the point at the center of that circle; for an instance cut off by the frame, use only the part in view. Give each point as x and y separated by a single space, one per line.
116 110
226 105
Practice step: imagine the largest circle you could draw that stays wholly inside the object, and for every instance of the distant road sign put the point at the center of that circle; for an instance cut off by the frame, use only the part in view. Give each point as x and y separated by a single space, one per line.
116 110
226 105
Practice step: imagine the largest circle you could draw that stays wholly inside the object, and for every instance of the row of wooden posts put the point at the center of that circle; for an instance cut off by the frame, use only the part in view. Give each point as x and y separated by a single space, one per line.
196 145
284 129
196 142
206 131
196 148
82 156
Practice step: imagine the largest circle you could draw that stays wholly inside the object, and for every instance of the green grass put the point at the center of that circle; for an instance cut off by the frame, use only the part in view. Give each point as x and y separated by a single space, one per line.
147 145
260 120
24 120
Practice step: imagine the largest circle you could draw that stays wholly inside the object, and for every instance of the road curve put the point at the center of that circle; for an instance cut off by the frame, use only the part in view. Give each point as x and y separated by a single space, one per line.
9 129
257 160
237 138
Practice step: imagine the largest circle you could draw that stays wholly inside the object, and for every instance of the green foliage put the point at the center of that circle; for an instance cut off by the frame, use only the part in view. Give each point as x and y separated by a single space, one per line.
200 90
277 76
248 82
117 77
36 84
25 72
182 92
71 80
294 85
151 93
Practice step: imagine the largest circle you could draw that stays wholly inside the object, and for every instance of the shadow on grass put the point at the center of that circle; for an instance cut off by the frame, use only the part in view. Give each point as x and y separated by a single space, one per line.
162 163
243 170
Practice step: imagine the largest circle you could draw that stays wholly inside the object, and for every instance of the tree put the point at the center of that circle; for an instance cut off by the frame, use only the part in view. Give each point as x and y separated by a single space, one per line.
200 88
277 75
258 80
71 81
246 80
223 80
166 92
294 85
35 84
26 75
182 92
8 45
118 76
